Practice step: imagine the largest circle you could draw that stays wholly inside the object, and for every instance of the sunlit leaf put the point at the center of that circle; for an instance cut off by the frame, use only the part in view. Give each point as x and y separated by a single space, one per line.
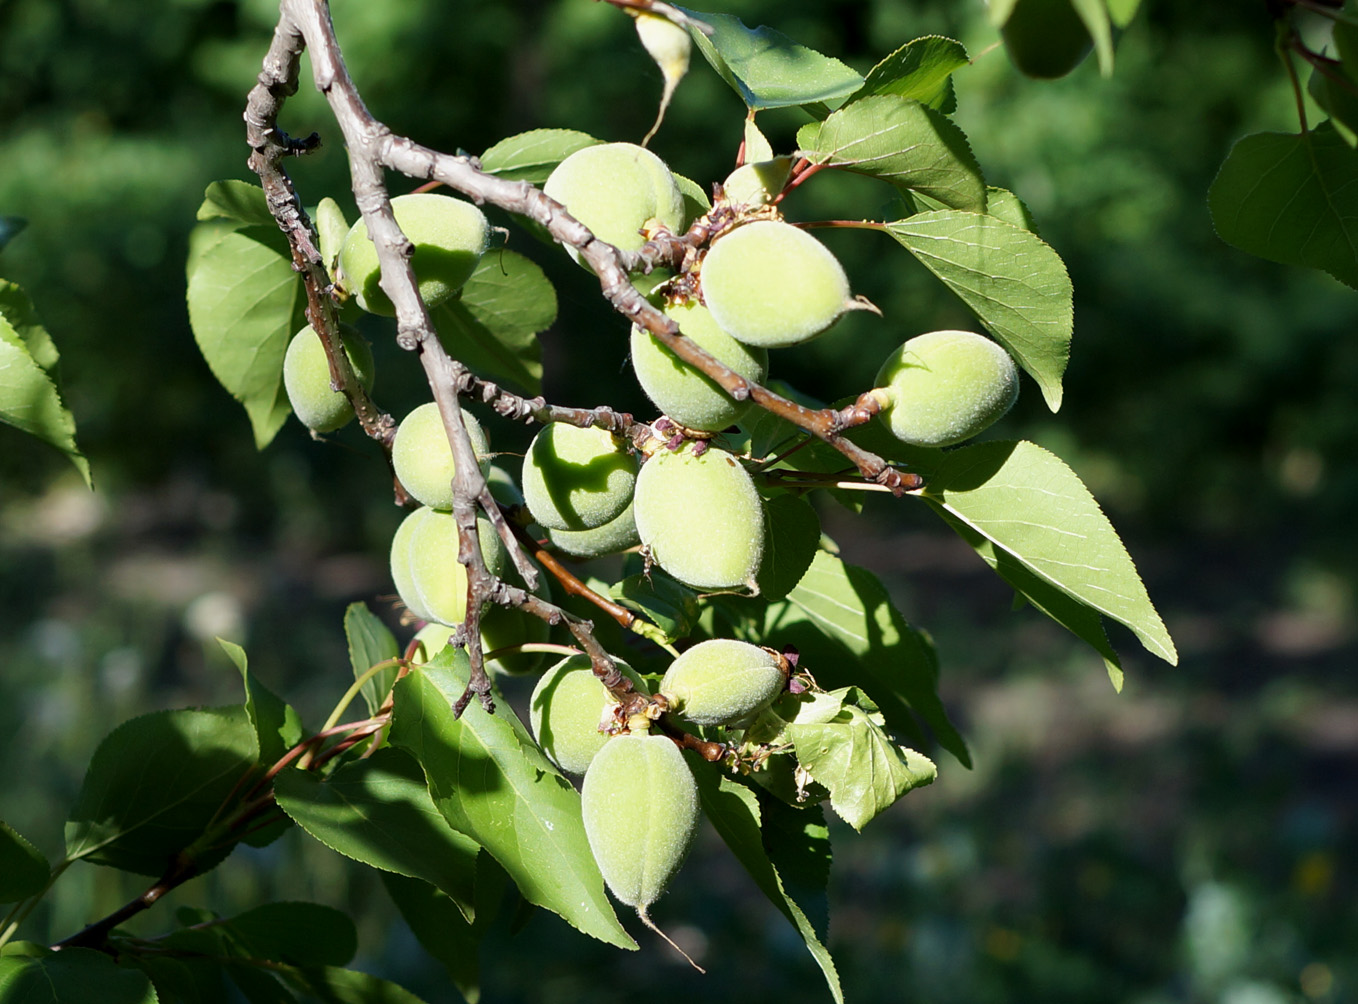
531 156
921 70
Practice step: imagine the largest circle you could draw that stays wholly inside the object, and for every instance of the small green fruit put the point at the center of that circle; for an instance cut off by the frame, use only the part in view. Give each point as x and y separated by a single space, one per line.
640 807
700 517
946 386
615 536
577 479
449 235
1046 38
423 459
723 682
770 284
424 566
618 190
306 378
682 392
568 706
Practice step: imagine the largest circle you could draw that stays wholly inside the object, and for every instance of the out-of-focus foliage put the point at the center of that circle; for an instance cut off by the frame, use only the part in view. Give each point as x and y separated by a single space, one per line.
1187 841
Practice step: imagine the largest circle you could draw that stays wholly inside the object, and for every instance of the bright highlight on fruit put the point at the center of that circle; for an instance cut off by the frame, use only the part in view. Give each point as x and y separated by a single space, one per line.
944 387
685 394
577 479
722 681
770 284
618 190
615 536
567 708
449 235
306 378
699 516
423 459
424 566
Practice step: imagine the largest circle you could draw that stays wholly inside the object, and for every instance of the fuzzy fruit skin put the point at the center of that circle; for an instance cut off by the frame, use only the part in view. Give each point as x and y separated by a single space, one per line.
306 378
685 394
946 386
700 517
615 536
1046 38
424 566
770 284
640 807
566 708
618 190
423 459
577 479
722 681
449 235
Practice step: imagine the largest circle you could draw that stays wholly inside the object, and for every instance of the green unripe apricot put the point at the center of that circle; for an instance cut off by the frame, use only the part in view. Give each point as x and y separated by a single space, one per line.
618 190
685 394
423 459
770 284
615 536
424 566
568 706
449 235
699 516
722 681
944 387
640 807
1046 38
306 378
577 479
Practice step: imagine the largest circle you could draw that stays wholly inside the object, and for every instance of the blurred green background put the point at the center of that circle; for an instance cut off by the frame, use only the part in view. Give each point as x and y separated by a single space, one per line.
1193 839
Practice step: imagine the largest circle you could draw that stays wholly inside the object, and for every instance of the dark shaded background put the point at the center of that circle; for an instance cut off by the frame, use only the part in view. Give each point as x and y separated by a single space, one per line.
1193 839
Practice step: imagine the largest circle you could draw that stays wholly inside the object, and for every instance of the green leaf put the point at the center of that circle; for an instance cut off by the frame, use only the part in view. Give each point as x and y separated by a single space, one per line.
670 605
331 985
766 68
734 812
1005 205
798 843
245 303
10 228
378 810
492 325
71 976
239 201
298 934
491 782
1122 11
696 201
23 869
791 539
156 783
921 70
900 141
277 725
441 930
29 399
1029 503
1016 284
531 156
842 620
1291 199
370 643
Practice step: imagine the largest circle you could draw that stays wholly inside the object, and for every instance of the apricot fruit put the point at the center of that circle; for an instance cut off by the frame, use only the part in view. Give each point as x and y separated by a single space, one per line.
430 580
944 387
615 536
577 479
568 706
423 459
1046 38
723 681
306 378
449 236
618 190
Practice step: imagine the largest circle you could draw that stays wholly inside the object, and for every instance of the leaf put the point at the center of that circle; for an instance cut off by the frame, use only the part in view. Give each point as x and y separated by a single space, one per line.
441 930
154 786
10 228
1016 284
921 70
331 230
491 782
298 934
1094 14
1291 199
492 325
239 201
245 303
370 642
900 141
1122 11
1030 504
841 618
1005 205
665 602
734 812
71 976
29 399
766 68
378 811
791 539
331 985
531 156
23 869
277 725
